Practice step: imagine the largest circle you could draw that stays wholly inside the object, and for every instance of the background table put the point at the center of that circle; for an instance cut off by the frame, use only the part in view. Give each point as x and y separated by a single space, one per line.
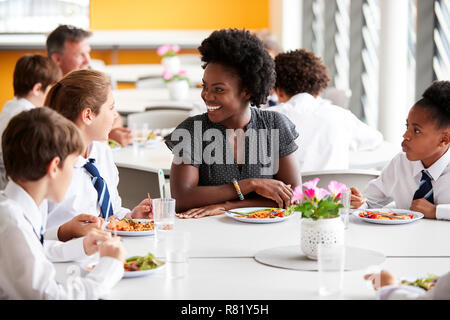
139 100
160 156
131 73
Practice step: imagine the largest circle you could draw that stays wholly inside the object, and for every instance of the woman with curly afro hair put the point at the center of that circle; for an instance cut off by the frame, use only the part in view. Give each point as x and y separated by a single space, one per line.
330 131
234 155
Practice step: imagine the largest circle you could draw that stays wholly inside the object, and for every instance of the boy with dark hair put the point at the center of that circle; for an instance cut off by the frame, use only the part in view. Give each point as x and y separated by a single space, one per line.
33 76
40 149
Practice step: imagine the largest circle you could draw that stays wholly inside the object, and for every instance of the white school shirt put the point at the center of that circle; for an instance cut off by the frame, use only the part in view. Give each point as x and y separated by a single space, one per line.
26 269
10 109
400 179
81 197
327 133
441 291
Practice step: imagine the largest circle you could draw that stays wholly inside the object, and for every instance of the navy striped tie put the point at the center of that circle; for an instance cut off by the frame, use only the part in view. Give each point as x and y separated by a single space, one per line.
425 188
102 189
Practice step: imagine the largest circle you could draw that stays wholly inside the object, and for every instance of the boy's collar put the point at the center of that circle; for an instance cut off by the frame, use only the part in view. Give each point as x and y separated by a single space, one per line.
436 169
92 154
33 213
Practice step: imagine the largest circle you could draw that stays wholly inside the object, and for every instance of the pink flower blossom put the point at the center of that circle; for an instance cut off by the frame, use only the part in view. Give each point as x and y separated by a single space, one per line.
298 194
310 193
182 72
321 193
336 188
312 184
163 49
166 74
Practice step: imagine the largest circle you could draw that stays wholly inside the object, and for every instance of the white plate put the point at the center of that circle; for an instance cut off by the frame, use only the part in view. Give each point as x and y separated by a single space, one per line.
126 274
236 216
135 233
155 140
417 216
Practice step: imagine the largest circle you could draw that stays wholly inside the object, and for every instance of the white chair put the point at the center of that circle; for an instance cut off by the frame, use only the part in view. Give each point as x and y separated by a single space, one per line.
134 184
337 96
358 178
150 83
189 59
159 118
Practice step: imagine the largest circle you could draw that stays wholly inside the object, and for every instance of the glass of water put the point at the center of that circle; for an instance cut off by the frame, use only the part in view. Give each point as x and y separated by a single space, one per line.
344 213
331 261
140 134
163 214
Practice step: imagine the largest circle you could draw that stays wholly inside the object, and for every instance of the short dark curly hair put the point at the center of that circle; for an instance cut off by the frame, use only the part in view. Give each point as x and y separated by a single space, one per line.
242 51
436 99
300 71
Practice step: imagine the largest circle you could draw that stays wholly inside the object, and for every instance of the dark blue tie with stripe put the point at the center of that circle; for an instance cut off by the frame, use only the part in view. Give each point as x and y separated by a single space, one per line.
425 188
102 189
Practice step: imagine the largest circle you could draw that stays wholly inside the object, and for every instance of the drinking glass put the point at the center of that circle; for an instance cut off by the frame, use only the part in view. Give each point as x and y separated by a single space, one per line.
140 134
176 248
344 213
163 214
331 261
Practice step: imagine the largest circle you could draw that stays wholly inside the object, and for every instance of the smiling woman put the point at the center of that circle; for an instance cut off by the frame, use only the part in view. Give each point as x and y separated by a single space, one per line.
233 140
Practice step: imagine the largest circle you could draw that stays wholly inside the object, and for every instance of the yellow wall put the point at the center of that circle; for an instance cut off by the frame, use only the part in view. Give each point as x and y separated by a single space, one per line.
152 14
179 14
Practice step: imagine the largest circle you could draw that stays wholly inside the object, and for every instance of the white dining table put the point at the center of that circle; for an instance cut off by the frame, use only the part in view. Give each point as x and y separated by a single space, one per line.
139 100
158 156
222 265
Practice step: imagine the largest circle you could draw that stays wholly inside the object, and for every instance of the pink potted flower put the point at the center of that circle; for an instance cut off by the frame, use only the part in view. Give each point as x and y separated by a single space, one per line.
320 215
177 83
170 60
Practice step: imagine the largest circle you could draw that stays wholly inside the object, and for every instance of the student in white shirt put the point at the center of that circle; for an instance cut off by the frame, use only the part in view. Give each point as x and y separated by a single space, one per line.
327 132
68 47
419 177
40 148
33 76
85 97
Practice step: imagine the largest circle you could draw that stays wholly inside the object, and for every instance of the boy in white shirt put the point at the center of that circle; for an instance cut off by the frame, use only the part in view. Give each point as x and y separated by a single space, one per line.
327 132
85 98
40 148
419 177
33 76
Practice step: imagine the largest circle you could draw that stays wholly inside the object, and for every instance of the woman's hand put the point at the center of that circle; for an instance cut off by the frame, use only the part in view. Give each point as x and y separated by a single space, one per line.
274 190
143 210
211 210
357 199
79 226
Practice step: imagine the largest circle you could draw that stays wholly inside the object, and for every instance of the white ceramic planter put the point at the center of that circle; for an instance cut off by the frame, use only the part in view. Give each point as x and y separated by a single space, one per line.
325 231
172 64
178 89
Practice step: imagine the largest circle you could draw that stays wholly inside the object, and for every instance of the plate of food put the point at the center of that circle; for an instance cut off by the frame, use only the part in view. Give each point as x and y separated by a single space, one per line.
132 227
136 266
259 214
153 138
114 145
388 216
426 283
